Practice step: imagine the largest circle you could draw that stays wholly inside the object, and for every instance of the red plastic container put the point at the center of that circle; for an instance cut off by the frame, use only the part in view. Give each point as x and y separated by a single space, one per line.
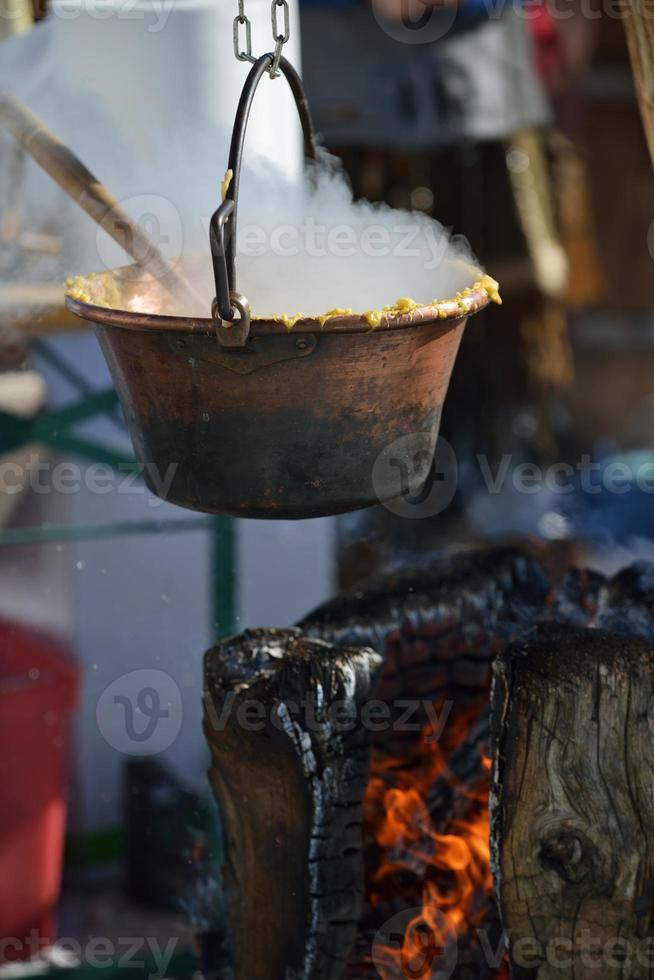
39 686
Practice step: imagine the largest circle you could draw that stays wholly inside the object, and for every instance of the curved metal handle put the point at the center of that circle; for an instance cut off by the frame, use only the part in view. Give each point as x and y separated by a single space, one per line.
222 230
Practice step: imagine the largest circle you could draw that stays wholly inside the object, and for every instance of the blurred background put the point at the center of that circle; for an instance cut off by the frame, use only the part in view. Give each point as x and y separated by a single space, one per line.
515 124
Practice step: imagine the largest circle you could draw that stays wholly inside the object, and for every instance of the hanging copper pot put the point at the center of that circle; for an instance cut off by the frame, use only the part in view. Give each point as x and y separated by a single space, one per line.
254 420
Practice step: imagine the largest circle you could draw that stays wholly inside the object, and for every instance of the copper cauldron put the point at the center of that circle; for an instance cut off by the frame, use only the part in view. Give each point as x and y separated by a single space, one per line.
245 417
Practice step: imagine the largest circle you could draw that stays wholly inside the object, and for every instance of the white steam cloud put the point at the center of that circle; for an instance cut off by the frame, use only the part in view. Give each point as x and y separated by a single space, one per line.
312 249
303 246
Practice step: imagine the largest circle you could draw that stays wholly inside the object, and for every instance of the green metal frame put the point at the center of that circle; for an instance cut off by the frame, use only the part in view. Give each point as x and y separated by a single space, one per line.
55 430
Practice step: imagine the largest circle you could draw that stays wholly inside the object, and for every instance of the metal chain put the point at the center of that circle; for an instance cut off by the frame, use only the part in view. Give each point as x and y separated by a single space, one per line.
243 33
280 37
243 54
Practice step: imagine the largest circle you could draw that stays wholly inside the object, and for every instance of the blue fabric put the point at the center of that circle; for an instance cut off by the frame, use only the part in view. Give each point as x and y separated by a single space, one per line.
469 14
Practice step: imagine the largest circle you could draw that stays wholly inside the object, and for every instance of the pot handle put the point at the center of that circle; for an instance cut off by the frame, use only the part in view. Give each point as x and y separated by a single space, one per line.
230 311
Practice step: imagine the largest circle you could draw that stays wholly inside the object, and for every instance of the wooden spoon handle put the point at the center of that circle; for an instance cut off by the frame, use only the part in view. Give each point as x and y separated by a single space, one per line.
93 197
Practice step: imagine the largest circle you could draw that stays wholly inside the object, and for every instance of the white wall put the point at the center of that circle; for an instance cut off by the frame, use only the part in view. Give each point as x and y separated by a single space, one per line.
285 569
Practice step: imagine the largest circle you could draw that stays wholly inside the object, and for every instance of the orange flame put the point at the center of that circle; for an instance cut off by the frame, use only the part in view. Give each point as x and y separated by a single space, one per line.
452 865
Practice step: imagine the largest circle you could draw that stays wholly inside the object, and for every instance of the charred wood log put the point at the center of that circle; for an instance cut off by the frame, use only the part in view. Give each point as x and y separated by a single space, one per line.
572 804
483 594
290 767
437 628
626 602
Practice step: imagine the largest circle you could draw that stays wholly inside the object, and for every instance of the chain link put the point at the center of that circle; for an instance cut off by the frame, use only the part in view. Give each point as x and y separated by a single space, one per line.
242 53
243 33
280 37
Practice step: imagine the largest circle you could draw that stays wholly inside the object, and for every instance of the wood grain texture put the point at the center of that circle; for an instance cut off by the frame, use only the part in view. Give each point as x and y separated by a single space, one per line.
572 803
289 777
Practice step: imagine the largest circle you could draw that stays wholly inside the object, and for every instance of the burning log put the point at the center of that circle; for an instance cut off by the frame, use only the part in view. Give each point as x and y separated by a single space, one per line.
572 810
449 797
482 593
426 807
291 789
427 831
290 766
438 628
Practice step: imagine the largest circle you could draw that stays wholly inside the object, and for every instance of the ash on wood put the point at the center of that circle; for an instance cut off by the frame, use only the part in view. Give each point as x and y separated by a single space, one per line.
572 803
290 767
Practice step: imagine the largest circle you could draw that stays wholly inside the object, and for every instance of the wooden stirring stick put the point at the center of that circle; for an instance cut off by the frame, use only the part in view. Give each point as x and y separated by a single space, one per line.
92 196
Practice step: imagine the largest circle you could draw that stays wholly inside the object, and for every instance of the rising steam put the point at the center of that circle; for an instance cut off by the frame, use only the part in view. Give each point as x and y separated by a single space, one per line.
301 247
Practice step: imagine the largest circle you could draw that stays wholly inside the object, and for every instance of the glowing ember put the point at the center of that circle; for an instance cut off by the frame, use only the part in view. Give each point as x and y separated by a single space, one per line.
444 870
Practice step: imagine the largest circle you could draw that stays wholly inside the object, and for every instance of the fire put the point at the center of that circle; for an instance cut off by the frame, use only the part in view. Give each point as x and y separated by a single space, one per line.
444 871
